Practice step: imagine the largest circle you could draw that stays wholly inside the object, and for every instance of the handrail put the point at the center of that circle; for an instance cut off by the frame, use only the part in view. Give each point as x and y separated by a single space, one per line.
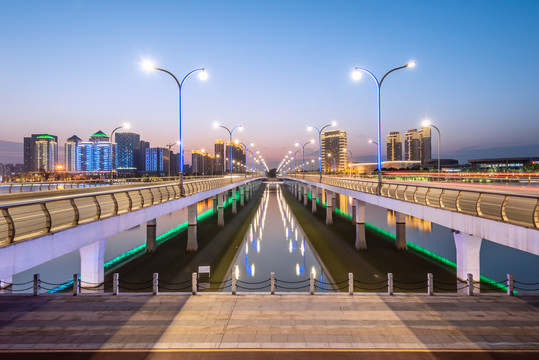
20 220
516 209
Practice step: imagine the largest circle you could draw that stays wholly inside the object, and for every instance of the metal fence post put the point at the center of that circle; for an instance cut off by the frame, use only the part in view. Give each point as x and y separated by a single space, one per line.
194 283
155 283
510 284
470 284
311 283
37 285
350 284
272 283
390 284
430 284
76 285
115 284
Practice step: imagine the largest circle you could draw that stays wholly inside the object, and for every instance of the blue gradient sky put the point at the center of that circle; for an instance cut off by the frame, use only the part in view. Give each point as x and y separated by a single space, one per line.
72 67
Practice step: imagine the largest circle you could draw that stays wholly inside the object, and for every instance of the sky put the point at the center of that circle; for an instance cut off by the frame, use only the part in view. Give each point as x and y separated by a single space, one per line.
73 67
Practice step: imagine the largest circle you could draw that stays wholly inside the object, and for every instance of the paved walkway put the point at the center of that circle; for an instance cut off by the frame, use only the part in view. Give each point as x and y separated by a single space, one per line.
337 321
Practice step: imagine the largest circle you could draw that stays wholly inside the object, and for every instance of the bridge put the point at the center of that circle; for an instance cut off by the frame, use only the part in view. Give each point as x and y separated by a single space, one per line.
505 215
36 227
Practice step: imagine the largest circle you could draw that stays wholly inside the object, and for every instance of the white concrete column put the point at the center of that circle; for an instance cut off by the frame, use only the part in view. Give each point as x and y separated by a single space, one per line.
242 196
468 248
300 190
248 193
5 283
92 261
192 242
234 205
220 210
314 196
359 217
400 241
329 208
214 204
151 236
305 199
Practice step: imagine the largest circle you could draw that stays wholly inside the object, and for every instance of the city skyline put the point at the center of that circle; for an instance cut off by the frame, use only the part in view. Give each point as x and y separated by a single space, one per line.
72 67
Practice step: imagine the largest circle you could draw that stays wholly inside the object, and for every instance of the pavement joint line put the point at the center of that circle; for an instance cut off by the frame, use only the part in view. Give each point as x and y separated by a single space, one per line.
272 350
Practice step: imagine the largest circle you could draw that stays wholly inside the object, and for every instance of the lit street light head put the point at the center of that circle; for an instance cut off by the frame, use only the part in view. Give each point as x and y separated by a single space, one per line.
203 74
309 128
148 65
425 123
356 74
240 128
333 123
215 124
411 64
126 126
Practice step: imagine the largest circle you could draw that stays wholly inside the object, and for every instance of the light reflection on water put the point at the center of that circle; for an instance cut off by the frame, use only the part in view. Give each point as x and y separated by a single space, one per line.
275 243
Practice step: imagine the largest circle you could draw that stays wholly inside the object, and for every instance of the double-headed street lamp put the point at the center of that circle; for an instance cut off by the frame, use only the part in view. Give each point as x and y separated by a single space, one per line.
356 76
203 76
303 153
125 126
230 132
310 127
294 154
245 148
427 123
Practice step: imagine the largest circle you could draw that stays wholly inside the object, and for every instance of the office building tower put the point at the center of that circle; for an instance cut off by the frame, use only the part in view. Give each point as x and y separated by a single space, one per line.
417 145
202 163
157 161
238 157
42 156
219 156
95 154
126 147
334 143
72 154
394 146
139 156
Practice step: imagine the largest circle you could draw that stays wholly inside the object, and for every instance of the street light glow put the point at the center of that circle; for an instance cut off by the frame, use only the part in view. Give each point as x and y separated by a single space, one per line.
425 123
356 74
411 64
333 123
203 75
148 65
126 126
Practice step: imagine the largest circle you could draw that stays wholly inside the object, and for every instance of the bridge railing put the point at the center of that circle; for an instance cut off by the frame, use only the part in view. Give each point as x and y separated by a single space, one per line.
522 210
34 218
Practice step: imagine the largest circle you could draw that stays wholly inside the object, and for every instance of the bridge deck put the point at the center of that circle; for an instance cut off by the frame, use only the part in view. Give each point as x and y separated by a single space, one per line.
264 321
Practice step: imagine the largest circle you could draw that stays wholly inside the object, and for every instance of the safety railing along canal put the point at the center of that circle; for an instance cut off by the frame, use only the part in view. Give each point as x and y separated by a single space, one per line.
517 209
31 218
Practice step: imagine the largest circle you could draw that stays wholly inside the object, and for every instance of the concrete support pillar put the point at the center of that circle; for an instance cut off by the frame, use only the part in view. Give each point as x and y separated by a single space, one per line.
192 242
314 196
248 193
5 283
400 242
300 191
92 261
329 208
242 196
354 212
214 204
468 248
359 216
151 236
220 210
234 202
305 198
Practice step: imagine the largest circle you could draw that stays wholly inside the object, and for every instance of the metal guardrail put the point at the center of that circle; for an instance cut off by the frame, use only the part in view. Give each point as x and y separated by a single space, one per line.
34 218
522 210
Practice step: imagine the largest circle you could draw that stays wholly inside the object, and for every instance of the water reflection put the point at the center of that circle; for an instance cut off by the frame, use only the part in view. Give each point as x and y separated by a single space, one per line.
423 226
275 243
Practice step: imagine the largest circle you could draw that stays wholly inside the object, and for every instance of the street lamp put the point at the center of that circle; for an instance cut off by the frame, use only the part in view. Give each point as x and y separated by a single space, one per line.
310 127
303 153
245 149
202 76
373 142
230 132
427 123
169 156
356 75
351 159
126 126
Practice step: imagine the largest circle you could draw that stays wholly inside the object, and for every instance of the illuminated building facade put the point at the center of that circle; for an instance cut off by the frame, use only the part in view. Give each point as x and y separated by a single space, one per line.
394 146
127 144
334 143
40 152
72 153
417 145
219 156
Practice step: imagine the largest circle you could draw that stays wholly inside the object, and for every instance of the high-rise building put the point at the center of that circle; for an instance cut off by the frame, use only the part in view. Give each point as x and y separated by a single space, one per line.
238 157
202 163
95 154
72 154
334 144
140 155
417 145
126 147
219 156
40 152
394 146
157 160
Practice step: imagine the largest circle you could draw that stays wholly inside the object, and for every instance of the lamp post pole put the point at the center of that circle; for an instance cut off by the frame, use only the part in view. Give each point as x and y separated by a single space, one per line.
439 142
320 144
303 154
245 148
112 153
351 158
180 87
230 132
379 138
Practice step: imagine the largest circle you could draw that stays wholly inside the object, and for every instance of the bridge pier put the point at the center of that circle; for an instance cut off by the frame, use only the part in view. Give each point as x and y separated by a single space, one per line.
400 241
220 209
92 264
329 208
305 198
214 204
242 196
248 197
151 236
234 204
314 196
192 213
359 219
468 248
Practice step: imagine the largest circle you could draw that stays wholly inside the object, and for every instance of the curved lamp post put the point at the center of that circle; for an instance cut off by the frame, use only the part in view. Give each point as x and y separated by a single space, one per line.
203 76
351 156
125 126
303 153
427 123
230 132
310 127
357 75
245 149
